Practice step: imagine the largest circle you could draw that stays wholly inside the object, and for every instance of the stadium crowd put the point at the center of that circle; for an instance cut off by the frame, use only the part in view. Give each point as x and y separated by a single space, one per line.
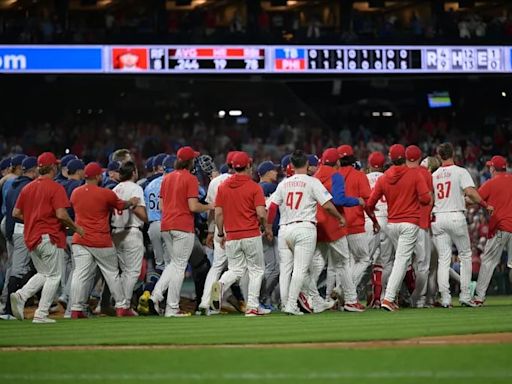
151 226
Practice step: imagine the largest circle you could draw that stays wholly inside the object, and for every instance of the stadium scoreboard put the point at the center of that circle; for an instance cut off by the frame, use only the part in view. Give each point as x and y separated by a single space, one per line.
252 59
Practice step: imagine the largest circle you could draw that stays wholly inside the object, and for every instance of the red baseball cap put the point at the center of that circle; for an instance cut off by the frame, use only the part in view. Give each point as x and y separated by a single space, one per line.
498 162
92 170
376 160
241 160
345 150
413 153
47 158
397 152
187 153
229 157
330 156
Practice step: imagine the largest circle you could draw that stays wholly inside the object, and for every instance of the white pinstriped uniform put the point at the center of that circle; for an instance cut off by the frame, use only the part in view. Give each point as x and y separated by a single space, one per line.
297 198
490 259
220 259
358 245
450 226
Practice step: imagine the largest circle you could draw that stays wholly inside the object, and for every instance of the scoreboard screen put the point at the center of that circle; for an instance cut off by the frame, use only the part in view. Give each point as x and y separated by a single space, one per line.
251 59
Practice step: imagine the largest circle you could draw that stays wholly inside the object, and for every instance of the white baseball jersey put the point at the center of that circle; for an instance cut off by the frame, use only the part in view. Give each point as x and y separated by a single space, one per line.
213 187
126 218
298 196
449 185
382 205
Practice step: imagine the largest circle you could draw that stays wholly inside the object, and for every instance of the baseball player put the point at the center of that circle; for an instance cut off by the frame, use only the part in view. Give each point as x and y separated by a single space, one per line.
92 206
21 270
113 174
62 176
405 190
212 240
356 184
297 198
380 245
496 192
240 211
313 164
126 230
267 171
179 201
451 184
332 239
423 248
41 206
149 167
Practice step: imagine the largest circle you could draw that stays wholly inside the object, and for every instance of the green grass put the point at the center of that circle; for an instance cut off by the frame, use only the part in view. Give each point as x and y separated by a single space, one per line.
276 328
456 364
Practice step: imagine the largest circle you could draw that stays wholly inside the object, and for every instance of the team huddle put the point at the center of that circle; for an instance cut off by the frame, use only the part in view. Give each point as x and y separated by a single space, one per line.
71 227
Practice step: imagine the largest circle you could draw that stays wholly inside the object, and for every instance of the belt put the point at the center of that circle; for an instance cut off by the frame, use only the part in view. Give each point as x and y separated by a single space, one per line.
127 228
301 221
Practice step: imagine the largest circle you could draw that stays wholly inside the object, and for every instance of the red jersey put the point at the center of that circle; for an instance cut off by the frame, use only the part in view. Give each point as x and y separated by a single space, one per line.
328 227
177 187
497 193
426 210
92 206
239 196
357 185
38 202
405 191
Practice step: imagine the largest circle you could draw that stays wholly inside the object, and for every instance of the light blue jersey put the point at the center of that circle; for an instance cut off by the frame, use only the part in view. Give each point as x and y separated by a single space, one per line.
152 197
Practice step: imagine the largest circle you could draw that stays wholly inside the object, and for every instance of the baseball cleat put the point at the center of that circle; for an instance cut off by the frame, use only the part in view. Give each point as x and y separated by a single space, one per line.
389 306
125 312
323 306
239 305
294 311
7 317
63 302
469 303
478 303
446 305
177 313
216 296
78 315
43 320
256 312
355 307
303 302
17 306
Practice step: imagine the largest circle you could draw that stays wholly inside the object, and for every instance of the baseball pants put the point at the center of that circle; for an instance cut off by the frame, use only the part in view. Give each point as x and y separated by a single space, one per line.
46 258
9 249
297 242
245 255
337 253
220 261
404 237
311 284
179 245
155 236
381 252
452 227
129 245
490 259
422 254
271 274
358 246
67 270
86 259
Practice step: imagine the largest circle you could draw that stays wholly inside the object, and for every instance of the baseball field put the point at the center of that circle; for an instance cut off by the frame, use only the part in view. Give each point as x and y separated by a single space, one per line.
459 345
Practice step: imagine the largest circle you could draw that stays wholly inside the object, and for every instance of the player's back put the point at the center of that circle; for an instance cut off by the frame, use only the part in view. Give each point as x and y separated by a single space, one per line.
126 218
449 185
497 193
382 205
298 196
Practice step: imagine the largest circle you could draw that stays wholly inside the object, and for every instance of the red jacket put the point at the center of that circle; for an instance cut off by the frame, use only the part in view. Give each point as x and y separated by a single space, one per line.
328 228
426 210
356 184
405 191
496 192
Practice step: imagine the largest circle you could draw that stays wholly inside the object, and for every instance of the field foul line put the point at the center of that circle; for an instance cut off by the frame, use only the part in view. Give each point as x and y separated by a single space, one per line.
255 376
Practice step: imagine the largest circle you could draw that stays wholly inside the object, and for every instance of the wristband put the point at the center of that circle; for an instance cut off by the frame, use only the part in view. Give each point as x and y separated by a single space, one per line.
483 204
220 235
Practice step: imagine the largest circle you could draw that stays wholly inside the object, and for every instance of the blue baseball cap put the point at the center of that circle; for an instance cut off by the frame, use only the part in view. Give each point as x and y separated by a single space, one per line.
169 161
29 163
285 161
64 161
114 166
313 160
16 160
158 160
149 164
75 165
224 169
265 167
5 163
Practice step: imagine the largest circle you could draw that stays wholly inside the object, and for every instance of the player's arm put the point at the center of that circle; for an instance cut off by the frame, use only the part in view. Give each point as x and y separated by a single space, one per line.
196 207
475 197
338 193
375 196
17 214
423 192
63 216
